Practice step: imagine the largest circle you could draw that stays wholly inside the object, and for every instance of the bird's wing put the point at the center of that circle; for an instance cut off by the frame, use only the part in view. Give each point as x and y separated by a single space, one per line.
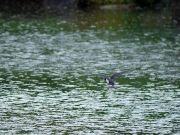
117 74
103 76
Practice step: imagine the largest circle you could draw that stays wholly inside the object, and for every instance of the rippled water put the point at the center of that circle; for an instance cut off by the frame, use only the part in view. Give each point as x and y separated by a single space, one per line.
49 68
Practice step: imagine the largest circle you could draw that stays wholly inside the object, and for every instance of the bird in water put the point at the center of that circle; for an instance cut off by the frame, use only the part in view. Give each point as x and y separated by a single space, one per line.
110 80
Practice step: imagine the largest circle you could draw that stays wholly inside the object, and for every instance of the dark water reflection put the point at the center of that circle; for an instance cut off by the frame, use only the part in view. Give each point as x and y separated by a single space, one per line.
49 67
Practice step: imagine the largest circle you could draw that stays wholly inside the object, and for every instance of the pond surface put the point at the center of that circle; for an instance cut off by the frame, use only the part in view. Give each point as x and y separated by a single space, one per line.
49 66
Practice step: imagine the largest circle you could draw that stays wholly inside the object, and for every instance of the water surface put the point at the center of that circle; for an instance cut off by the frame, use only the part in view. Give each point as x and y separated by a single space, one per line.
49 66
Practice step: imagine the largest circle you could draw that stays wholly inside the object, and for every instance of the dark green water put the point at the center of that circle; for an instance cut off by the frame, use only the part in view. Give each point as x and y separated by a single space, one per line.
49 67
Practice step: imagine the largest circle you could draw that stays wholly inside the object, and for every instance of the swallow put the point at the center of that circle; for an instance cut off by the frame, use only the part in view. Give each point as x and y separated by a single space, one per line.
110 80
